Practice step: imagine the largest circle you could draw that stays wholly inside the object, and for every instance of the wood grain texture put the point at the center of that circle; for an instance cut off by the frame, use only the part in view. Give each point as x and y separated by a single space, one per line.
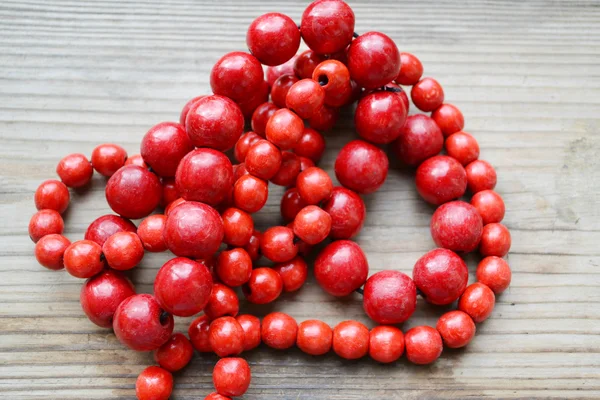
76 73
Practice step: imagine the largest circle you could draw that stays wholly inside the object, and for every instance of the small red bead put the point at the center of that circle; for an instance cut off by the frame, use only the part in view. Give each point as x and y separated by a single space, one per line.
222 301
306 63
341 267
347 211
226 337
284 129
441 275
101 295
236 75
277 244
264 286
263 159
314 337
489 205
75 170
456 226
52 195
462 147
154 383
45 222
151 231
324 118
163 147
133 192
123 250
175 354
239 170
243 145
279 331
311 145
449 119
289 170
386 344
480 176
327 26
198 333
441 179
456 328
238 227
478 301
495 273
334 78
169 192
312 225
293 273
253 246
314 185
279 91
411 69
251 326
50 249
250 193
305 163
427 94
361 167
423 345
261 116
495 240
305 97
107 225
420 138
390 297
186 109
287 68
234 267
83 259
351 340
231 376
136 159
373 60
272 28
291 204
380 116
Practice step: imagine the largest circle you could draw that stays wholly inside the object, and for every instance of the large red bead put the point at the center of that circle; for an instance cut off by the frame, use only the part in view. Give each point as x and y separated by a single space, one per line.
373 60
270 29
341 268
441 275
327 26
456 226
440 179
420 138
163 146
380 116
362 167
236 75
101 295
107 225
347 211
390 297
133 192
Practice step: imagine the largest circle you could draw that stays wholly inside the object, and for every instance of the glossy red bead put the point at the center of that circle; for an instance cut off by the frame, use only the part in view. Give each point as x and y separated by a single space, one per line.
234 267
324 118
334 78
495 273
456 226
480 176
136 159
108 158
107 225
351 340
133 192
456 328
361 167
280 89
310 145
291 204
440 179
462 147
279 331
373 60
347 211
52 195
489 205
253 246
264 286
289 170
495 240
379 117
420 138
478 301
169 192
222 301
274 72
215 122
341 267
123 250
243 145
411 69
236 75
249 105
101 295
194 230
263 159
327 26
293 273
386 344
272 28
83 259
251 326
250 193
186 109
226 337
75 170
284 128
305 97
314 337
45 222
312 225
238 227
239 170
175 354
140 324
50 249
198 333
163 146
306 163
441 276
277 244
306 63
231 376
427 94
261 116
449 119
423 345
151 231
390 297
314 185
154 383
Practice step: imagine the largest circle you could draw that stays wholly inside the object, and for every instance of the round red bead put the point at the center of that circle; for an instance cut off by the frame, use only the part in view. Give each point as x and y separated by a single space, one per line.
293 273
341 267
215 122
347 211
272 28
480 176
427 94
236 75
226 337
264 286
53 195
495 273
362 167
284 128
386 344
231 376
495 240
478 301
133 192
75 170
314 337
50 250
390 297
107 225
261 116
251 326
250 193
411 69
151 231
373 60
351 340
175 354
279 331
380 116
45 222
441 275
154 383
222 301
420 138
456 226
101 295
277 244
440 179
327 26
312 225
234 267
83 259
163 146
462 147
489 205
423 345
123 250
456 328
449 119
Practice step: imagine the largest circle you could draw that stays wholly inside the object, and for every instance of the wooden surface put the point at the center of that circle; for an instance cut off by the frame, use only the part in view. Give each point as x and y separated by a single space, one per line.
74 74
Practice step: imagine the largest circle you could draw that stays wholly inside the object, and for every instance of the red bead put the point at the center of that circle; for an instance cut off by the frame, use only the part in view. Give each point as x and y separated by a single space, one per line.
194 230
327 26
107 225
101 295
277 244
169 192
449 119
456 226
226 337
108 158
249 105
284 129
154 383
306 63
291 204
136 159
253 246
198 333
334 78
386 344
50 249
261 116
441 275
289 170
312 225
215 122
52 195
231 376
222 301
373 60
478 301
183 286
351 340
264 286
480 176
211 264
293 273
163 146
123 250
239 170
324 118
462 147
411 69
236 75
287 68
341 267
489 205
216 396
456 328
175 203
243 145
279 331
420 138
151 231
234 267
362 167
314 337
238 227
83 259
250 193
495 240
305 97
45 222
186 109
263 159
495 273
175 354
280 89
251 326
141 324
75 170
347 211
272 28
390 297
314 185
441 179
305 163
310 145
133 192
427 94
204 175
379 117
423 345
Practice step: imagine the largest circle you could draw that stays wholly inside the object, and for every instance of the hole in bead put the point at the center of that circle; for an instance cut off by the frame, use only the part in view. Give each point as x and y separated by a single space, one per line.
164 318
323 80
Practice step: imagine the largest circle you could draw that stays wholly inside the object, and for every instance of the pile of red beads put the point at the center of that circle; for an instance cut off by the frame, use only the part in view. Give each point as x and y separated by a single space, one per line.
208 204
